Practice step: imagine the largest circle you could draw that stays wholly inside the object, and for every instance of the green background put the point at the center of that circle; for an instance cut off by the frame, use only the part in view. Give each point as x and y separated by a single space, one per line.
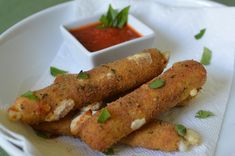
12 11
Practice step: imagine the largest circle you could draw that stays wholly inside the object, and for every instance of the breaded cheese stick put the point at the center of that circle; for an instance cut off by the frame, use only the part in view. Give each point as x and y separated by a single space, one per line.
156 135
161 135
73 91
134 110
70 124
56 128
62 126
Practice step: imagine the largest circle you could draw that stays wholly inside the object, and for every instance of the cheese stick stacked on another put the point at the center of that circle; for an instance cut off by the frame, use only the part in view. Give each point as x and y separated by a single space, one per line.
141 106
157 135
73 91
131 118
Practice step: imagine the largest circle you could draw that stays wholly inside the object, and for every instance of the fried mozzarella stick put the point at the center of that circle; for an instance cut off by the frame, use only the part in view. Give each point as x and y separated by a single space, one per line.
70 124
161 135
134 110
154 135
62 126
73 91
56 128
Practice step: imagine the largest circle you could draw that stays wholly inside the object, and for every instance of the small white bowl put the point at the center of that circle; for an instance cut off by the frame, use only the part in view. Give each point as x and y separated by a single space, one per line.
89 60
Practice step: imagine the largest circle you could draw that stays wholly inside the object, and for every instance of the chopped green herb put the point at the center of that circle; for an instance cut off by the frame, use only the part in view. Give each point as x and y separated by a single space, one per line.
109 151
202 114
107 20
157 84
206 56
200 34
113 18
55 71
104 115
122 18
181 130
82 75
30 95
111 15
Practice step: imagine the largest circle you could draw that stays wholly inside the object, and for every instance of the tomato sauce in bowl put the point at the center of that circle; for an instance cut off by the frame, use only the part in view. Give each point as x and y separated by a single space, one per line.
94 38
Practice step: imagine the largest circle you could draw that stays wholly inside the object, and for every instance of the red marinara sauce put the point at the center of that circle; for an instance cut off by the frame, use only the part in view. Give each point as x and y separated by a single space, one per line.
94 39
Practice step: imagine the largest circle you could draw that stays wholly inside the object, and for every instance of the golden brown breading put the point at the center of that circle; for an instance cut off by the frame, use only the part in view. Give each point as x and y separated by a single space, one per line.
154 135
142 105
61 127
163 136
69 92
157 135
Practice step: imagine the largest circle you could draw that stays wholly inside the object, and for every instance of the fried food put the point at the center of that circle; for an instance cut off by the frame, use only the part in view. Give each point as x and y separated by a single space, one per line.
73 91
64 126
161 135
56 128
158 134
141 106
